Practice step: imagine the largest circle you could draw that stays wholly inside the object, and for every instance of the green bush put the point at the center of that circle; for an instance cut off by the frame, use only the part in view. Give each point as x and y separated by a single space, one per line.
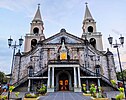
3 97
93 90
113 82
17 94
11 88
31 95
120 96
43 89
121 89
84 88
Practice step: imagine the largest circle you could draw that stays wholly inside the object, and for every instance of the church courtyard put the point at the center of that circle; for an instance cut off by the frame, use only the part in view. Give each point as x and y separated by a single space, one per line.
65 95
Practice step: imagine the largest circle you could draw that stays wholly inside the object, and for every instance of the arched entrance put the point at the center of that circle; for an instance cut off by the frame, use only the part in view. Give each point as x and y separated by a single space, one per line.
63 82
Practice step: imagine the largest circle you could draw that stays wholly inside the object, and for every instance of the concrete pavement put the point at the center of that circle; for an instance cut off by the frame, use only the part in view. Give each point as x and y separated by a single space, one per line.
68 95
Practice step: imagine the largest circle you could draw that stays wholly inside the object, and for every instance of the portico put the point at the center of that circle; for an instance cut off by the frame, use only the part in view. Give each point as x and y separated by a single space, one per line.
63 79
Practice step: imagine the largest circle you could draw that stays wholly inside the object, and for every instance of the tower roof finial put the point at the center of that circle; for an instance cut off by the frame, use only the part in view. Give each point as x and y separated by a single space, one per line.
38 5
38 14
87 13
86 3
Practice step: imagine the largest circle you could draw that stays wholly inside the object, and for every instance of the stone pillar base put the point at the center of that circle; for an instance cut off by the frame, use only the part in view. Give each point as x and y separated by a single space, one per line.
77 89
50 89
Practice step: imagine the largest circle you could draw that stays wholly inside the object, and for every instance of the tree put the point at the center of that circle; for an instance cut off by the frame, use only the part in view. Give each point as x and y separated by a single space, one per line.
119 75
3 78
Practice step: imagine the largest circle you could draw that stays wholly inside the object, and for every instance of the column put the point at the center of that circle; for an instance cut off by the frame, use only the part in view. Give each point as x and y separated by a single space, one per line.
29 83
75 77
48 77
52 77
87 85
99 82
79 82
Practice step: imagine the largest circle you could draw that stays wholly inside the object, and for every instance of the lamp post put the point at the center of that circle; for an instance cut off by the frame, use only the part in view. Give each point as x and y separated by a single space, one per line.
13 46
116 45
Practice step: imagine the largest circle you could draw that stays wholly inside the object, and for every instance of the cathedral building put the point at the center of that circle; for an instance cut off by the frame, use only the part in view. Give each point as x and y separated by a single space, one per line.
63 62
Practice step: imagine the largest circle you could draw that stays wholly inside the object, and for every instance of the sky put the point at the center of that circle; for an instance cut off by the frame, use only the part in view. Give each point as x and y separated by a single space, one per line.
16 16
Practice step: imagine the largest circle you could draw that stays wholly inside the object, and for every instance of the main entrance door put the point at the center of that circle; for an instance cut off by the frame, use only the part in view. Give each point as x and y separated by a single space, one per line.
63 82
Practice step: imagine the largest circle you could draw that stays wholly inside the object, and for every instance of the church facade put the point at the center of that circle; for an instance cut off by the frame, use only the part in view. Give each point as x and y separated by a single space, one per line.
63 62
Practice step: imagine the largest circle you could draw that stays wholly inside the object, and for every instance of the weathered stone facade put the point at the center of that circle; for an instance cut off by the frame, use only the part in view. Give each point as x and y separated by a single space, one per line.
85 58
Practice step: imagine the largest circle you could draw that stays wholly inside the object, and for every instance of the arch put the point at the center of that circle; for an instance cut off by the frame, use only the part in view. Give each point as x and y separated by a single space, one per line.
98 69
33 43
30 71
93 42
62 40
36 30
69 79
90 29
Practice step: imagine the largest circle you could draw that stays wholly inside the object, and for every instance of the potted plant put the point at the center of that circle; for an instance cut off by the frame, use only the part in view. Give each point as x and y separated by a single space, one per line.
120 96
17 96
84 90
96 93
93 90
42 90
3 97
31 96
113 82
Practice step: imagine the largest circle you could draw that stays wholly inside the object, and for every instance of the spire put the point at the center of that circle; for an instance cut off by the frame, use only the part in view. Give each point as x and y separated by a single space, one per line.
89 24
38 14
63 52
63 48
87 13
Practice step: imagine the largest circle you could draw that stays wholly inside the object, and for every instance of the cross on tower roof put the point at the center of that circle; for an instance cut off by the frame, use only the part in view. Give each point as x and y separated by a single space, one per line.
86 3
39 5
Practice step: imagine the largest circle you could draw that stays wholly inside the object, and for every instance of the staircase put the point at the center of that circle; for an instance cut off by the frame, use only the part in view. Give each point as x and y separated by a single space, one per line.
25 78
91 73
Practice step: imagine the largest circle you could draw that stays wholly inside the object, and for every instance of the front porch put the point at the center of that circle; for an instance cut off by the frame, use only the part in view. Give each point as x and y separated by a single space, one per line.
64 76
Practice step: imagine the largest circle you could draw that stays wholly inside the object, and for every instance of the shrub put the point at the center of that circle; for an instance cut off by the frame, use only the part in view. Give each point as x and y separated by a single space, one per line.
84 88
17 94
31 95
121 89
93 90
120 96
113 82
11 88
42 90
3 97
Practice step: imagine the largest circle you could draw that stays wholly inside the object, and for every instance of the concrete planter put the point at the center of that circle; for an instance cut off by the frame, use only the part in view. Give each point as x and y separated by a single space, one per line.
99 98
30 99
15 98
86 94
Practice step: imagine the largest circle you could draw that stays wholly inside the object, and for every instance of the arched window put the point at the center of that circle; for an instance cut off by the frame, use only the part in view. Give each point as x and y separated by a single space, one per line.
62 40
97 70
30 71
36 30
90 29
93 42
33 43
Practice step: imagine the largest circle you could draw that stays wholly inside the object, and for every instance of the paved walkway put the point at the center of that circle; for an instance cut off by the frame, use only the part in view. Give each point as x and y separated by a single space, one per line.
64 96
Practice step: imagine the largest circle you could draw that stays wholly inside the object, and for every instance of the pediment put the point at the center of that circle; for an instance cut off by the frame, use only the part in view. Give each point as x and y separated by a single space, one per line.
69 38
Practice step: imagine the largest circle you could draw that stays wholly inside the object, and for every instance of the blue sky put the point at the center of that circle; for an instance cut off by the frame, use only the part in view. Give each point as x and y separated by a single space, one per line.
16 16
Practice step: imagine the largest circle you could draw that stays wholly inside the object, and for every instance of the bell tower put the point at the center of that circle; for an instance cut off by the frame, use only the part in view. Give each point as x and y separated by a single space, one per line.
90 32
36 32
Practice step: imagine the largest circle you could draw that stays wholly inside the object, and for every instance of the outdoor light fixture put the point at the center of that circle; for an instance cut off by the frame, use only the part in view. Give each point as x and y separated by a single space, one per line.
116 45
13 46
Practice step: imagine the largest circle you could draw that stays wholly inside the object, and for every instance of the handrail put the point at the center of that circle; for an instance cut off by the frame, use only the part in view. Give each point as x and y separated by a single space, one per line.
71 61
40 71
95 74
26 77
